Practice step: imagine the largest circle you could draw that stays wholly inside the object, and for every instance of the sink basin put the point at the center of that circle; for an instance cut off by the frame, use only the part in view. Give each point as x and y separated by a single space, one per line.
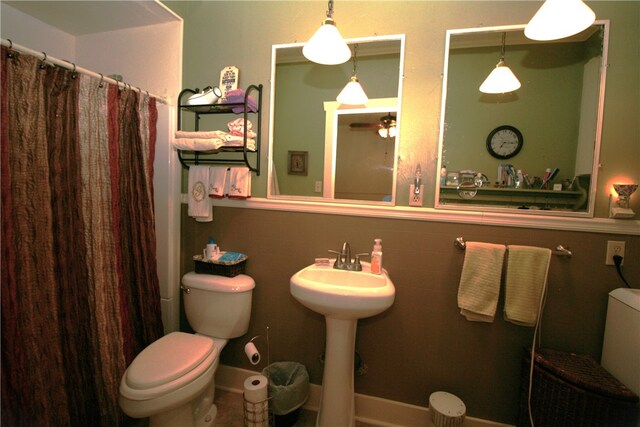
342 297
343 294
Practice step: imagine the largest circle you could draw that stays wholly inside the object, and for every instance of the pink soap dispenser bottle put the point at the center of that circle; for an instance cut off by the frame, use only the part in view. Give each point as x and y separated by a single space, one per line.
376 257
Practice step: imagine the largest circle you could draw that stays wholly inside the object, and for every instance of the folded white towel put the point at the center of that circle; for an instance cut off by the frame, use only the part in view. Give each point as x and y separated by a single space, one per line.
525 283
199 203
239 183
480 281
217 181
212 144
185 134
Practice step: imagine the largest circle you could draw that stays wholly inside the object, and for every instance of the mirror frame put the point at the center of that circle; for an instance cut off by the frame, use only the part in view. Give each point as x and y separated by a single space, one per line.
321 199
589 213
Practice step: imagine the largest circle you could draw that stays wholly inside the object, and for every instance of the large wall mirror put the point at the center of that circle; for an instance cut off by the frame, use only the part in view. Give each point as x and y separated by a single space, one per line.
534 150
323 151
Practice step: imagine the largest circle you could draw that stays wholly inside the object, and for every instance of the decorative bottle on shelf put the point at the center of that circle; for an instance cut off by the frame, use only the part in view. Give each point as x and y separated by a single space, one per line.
376 257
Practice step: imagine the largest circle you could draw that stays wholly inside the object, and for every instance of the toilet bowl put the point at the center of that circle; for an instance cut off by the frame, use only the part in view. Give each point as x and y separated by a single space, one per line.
172 380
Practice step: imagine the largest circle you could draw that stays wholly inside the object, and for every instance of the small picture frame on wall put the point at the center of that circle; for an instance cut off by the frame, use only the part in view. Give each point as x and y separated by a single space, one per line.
298 161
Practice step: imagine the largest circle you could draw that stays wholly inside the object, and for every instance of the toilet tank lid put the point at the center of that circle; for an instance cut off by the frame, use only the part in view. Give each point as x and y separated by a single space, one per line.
211 282
630 297
167 359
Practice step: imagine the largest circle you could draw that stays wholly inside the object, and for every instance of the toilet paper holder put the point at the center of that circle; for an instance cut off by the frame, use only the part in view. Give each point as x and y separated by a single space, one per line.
257 413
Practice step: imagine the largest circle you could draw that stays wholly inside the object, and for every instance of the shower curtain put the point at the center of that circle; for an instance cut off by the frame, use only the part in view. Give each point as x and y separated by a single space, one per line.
80 295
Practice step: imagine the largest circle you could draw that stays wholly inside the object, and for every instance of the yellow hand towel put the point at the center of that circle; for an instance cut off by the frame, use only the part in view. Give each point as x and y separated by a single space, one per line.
480 281
525 284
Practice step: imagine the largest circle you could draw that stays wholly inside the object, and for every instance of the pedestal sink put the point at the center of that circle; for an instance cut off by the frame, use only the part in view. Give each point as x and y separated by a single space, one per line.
342 297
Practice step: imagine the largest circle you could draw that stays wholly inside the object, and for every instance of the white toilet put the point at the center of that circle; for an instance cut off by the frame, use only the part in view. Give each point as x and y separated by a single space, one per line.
172 380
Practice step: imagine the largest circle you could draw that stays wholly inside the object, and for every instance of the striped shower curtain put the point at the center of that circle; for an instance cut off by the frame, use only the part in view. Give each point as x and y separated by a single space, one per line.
80 295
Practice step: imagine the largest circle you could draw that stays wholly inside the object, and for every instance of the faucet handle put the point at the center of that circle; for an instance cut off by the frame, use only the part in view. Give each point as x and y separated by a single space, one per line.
357 260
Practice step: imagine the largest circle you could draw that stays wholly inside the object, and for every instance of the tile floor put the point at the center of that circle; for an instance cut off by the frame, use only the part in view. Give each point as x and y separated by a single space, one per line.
230 412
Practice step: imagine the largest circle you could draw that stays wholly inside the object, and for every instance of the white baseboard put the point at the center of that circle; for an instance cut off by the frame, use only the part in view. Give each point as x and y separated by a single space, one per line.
369 409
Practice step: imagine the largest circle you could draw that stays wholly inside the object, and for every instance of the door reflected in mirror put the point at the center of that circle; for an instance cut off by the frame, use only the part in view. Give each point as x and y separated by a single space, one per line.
535 149
347 163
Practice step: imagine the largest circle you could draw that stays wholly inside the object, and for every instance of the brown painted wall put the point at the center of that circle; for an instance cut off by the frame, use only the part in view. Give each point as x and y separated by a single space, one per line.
421 344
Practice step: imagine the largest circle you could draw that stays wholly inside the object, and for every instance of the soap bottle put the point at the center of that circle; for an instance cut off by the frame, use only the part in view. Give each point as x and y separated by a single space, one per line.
376 257
212 249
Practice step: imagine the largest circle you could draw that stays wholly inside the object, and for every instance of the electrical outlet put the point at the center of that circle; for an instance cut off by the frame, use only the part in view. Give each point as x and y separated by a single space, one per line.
318 187
614 248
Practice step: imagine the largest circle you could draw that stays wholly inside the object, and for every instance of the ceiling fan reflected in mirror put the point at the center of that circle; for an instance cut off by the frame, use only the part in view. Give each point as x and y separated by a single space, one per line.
386 127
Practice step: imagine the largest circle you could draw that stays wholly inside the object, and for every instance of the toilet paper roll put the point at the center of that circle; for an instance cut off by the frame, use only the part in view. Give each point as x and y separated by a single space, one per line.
255 388
256 404
252 353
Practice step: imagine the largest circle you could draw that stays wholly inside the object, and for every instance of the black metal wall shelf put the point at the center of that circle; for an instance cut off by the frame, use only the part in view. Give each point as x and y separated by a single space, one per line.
221 156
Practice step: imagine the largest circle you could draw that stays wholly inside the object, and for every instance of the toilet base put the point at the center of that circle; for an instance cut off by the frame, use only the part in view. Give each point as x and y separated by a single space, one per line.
200 412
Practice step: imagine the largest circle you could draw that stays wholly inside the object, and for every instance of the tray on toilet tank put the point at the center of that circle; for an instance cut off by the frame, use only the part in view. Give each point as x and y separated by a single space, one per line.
228 264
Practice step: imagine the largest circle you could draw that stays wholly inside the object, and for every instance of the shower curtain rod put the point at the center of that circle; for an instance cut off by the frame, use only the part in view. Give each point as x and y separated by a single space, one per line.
72 66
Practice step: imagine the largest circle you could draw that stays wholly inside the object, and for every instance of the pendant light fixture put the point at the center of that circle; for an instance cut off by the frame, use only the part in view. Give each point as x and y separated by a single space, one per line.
353 94
327 46
558 19
501 79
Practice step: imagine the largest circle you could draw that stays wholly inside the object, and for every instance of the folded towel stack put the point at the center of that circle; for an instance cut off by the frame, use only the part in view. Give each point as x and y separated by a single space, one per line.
236 96
214 140
525 283
480 281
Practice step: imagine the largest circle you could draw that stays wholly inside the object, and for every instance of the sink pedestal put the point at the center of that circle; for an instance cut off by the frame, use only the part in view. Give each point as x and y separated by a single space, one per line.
337 404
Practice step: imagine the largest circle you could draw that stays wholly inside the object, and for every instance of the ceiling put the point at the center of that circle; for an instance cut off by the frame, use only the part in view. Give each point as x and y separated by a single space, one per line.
87 17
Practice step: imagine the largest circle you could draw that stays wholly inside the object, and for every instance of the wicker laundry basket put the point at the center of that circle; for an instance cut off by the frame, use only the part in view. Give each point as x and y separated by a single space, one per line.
573 390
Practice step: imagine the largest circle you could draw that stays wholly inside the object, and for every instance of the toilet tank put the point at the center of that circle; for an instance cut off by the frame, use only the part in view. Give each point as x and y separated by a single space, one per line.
621 346
218 306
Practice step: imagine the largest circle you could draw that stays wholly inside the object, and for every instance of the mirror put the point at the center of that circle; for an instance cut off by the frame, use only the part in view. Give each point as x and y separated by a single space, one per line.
340 154
535 149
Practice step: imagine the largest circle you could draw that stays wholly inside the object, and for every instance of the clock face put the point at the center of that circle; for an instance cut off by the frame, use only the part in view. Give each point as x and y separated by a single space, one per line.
504 142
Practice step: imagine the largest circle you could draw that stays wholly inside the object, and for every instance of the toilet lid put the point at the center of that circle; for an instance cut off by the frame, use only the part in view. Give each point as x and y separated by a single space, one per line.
167 359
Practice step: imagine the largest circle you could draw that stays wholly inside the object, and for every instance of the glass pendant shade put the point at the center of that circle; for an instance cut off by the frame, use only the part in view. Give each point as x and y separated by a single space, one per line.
327 46
501 80
389 132
352 94
558 19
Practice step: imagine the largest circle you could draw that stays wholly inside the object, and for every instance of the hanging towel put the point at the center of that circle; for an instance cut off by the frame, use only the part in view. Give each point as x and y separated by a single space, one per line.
480 281
199 204
239 183
525 283
217 181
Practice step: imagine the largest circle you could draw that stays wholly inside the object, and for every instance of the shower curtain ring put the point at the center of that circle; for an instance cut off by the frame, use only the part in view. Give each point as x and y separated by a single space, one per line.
73 72
101 84
10 51
43 65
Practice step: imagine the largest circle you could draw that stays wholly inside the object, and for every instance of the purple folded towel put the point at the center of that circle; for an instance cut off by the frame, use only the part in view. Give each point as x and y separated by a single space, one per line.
236 96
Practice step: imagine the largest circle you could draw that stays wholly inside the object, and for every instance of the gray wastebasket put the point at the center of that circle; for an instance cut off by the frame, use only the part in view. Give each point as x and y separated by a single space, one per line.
288 390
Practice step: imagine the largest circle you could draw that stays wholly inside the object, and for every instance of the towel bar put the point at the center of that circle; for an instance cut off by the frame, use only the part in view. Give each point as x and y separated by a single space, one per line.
559 251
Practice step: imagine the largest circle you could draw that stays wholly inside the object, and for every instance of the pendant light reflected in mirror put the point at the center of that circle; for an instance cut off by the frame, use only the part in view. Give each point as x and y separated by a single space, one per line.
353 94
501 79
327 46
558 19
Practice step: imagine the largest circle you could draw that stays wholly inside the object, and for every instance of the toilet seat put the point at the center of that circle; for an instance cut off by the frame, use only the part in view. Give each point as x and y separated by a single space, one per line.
172 362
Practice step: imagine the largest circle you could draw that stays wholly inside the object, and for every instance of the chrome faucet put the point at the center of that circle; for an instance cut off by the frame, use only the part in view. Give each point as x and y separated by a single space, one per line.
344 261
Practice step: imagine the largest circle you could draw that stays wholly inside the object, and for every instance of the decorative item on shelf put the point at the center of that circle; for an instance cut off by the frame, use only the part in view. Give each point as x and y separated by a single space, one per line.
353 94
327 46
229 77
501 79
298 161
620 208
201 101
558 19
